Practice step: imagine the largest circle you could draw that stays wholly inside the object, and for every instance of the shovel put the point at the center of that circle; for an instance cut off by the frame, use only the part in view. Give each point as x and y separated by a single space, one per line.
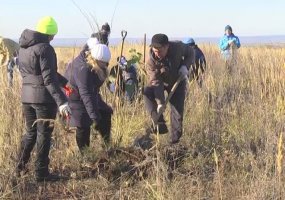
118 81
174 87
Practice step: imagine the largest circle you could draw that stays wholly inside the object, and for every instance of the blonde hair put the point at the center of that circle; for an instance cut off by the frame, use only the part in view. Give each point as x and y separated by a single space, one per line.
92 63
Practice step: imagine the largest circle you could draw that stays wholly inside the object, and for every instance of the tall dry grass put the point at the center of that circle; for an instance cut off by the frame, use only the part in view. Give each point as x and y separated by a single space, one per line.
233 129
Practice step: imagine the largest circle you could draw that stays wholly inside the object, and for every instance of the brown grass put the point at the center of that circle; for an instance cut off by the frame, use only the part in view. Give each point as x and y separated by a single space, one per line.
232 145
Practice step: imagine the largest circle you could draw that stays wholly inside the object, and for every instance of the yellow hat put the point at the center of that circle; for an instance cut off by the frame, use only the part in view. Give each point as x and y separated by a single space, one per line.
47 25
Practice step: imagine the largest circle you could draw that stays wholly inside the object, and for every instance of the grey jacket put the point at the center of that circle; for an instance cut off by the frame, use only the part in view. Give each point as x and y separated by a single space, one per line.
38 67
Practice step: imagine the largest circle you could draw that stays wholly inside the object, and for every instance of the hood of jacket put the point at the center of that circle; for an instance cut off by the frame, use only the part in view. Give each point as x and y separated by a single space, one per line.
30 38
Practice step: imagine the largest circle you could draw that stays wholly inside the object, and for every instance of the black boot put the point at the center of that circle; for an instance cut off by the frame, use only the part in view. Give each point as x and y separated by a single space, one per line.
48 178
24 156
82 138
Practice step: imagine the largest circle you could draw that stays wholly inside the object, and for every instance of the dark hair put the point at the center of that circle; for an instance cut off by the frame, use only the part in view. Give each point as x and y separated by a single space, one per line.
159 40
106 27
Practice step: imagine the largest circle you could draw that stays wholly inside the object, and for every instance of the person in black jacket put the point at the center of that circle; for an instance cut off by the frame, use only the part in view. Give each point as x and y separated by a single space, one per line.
41 95
103 35
86 74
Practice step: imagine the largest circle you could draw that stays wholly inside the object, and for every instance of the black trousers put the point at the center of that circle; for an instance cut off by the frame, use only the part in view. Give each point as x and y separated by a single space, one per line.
38 133
104 128
176 108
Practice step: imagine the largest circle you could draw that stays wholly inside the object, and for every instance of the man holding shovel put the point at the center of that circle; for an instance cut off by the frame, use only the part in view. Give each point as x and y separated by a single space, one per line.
167 66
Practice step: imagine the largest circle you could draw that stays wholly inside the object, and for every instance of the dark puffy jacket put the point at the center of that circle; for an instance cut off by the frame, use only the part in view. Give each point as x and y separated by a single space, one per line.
164 72
85 101
38 67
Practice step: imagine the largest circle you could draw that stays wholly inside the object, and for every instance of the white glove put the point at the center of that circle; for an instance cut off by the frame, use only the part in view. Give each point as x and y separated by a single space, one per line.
183 71
64 110
160 108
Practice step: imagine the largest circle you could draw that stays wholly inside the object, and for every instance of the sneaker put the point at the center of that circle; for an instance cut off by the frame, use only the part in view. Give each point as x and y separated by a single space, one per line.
48 178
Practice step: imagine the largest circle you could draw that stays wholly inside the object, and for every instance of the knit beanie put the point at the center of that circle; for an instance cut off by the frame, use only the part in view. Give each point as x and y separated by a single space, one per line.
101 52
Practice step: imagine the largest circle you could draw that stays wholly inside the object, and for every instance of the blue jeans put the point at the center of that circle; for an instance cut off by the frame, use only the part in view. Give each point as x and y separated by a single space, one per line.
38 133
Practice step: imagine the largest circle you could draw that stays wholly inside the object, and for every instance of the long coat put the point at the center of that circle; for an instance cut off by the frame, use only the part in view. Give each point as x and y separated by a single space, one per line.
85 101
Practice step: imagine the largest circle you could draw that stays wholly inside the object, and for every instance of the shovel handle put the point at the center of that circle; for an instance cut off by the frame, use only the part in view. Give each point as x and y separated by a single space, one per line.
124 34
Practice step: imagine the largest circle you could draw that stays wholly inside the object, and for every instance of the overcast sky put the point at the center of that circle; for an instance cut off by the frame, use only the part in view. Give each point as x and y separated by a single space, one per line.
179 18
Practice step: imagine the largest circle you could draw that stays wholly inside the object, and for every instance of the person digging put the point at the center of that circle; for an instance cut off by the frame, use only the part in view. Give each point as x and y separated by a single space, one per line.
168 61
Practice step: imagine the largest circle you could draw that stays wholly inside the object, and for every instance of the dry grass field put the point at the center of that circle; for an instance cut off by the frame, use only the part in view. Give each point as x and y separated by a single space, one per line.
232 147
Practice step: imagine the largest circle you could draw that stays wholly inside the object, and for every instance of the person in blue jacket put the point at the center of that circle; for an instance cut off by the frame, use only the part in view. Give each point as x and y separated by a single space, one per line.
198 69
228 42
85 75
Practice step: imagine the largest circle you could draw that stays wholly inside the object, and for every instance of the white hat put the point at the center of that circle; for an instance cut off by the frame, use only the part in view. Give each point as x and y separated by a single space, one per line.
101 52
91 42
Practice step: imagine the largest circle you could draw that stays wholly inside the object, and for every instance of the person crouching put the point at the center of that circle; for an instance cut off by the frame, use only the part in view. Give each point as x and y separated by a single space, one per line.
167 62
86 74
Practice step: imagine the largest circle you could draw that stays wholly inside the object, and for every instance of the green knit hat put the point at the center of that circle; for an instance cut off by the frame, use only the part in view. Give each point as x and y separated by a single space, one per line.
47 25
